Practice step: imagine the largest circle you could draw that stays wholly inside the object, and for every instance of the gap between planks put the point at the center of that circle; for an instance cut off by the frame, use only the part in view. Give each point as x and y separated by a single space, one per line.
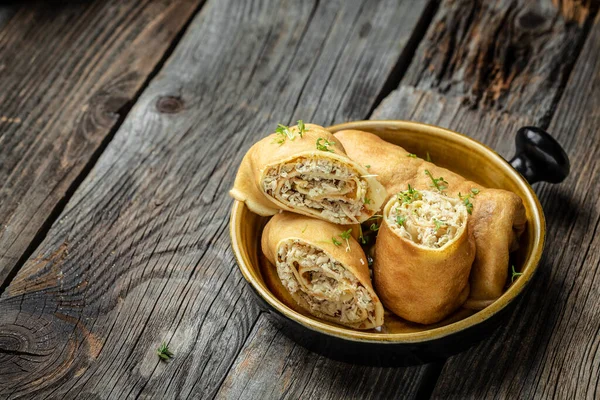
122 112
407 55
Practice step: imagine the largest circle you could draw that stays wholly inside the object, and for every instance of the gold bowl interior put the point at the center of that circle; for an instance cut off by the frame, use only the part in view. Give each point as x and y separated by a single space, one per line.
448 149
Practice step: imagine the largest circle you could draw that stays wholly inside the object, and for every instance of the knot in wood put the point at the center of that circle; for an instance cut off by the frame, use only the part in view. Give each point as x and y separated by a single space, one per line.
169 104
531 20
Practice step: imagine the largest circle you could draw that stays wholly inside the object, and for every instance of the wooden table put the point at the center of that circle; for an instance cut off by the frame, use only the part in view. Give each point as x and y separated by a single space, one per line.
121 127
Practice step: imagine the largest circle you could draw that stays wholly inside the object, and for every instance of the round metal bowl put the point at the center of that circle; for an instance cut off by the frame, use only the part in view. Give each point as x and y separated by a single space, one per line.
404 343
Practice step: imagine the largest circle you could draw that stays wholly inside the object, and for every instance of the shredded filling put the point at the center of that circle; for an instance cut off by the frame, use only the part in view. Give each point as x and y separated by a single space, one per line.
323 282
325 186
431 219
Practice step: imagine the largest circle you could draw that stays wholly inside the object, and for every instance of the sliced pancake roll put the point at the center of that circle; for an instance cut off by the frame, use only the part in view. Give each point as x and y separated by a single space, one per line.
303 169
423 255
497 217
324 269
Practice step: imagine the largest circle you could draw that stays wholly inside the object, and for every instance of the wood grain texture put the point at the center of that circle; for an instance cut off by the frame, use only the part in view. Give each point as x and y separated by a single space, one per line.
486 71
272 367
487 68
140 254
458 94
67 72
551 346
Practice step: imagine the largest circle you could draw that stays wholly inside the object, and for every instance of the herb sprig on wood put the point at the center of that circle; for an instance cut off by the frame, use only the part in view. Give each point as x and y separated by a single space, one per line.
164 353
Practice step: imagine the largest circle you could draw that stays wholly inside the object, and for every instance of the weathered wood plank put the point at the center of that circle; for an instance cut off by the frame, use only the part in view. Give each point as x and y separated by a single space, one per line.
550 348
140 254
487 68
272 367
68 71
486 71
470 108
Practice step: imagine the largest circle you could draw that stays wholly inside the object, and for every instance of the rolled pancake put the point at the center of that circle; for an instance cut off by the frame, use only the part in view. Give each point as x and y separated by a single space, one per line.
423 256
309 174
498 216
329 280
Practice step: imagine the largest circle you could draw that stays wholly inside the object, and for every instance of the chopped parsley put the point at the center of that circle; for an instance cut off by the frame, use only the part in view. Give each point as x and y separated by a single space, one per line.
367 166
324 145
335 241
411 155
367 200
400 220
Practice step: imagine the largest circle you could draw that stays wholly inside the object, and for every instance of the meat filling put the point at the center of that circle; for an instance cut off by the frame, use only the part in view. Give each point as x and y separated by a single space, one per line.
427 218
325 186
327 287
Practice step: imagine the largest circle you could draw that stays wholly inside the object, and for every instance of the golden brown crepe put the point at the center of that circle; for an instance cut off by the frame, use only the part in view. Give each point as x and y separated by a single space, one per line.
497 220
423 256
324 269
308 174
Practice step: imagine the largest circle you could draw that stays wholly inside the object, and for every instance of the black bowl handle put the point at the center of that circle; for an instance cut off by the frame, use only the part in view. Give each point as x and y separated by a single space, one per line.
539 157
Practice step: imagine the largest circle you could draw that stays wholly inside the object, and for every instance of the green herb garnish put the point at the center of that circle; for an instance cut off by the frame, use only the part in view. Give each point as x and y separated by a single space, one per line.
438 224
411 155
428 158
367 166
439 183
475 191
346 235
361 237
400 220
304 230
466 199
367 200
283 132
164 353
410 195
335 241
514 274
325 145
301 128
374 227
